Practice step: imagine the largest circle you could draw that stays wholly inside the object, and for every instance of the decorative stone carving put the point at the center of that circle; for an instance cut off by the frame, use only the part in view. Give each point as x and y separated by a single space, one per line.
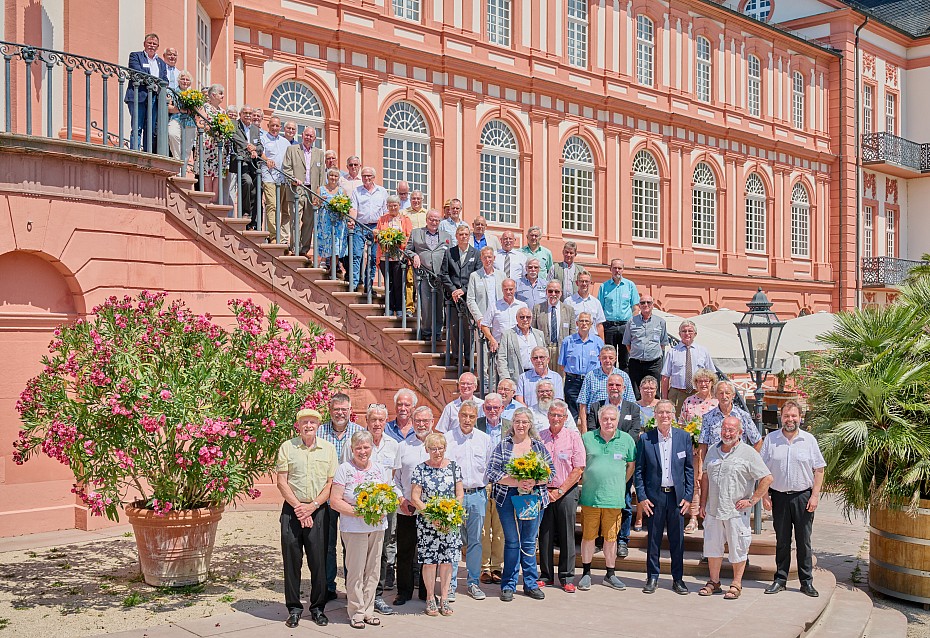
868 185
891 74
868 65
891 190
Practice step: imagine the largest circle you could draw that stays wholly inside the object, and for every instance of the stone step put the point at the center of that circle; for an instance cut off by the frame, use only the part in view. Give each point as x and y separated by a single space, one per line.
886 623
257 236
276 250
237 223
294 261
202 197
184 183
762 544
846 616
422 345
220 210
368 309
314 274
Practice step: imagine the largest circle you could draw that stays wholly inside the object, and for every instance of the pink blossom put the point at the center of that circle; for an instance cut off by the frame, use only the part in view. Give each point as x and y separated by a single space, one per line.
165 395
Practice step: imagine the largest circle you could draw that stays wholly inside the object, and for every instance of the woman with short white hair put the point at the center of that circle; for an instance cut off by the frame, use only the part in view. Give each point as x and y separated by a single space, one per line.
182 129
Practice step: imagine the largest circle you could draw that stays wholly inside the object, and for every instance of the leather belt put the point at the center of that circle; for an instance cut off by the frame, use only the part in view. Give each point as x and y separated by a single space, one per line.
667 490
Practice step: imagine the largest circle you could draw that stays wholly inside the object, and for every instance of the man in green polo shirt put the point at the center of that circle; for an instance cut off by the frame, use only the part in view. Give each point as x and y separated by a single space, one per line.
306 466
611 460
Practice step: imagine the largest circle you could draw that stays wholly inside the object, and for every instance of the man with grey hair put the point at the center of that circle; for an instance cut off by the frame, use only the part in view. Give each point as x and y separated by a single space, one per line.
330 160
273 179
620 301
480 238
401 428
247 142
534 249
402 189
290 132
545 399
566 271
171 65
351 177
369 203
526 383
531 287
509 261
303 164
681 362
449 420
455 217
494 425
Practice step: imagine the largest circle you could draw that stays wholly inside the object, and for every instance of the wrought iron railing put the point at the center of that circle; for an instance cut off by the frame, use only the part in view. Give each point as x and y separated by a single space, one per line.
885 147
879 272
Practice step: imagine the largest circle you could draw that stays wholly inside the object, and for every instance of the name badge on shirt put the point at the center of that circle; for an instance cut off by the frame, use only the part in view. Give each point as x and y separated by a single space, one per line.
563 456
715 462
657 338
618 457
565 325
628 417
682 455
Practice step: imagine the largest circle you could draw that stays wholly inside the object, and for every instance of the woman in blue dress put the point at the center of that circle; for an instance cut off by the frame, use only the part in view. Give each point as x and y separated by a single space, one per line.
328 223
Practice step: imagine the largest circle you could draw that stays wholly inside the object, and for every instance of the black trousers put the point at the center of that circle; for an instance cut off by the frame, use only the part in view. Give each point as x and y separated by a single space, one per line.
573 384
789 511
666 517
388 553
613 336
297 541
558 522
406 555
639 369
398 288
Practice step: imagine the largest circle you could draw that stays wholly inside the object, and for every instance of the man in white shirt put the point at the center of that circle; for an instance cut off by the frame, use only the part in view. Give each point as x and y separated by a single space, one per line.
545 397
584 301
526 385
171 65
509 261
531 288
369 203
449 420
485 286
403 192
681 362
471 448
501 315
351 177
273 179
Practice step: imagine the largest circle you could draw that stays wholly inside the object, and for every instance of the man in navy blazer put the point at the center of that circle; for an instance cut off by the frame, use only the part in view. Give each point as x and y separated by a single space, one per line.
141 119
665 486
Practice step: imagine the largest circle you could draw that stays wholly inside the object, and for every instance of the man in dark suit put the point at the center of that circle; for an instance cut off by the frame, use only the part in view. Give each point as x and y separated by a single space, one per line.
458 264
304 165
665 485
426 247
143 121
555 320
247 143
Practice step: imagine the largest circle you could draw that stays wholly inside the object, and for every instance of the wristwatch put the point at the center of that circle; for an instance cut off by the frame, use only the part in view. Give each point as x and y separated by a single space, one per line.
561 492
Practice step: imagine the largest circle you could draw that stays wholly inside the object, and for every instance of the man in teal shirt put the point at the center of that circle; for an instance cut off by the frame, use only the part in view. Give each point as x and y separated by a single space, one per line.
620 300
534 249
610 462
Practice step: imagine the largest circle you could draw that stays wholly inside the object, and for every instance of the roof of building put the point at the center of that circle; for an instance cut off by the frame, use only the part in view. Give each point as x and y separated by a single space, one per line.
910 16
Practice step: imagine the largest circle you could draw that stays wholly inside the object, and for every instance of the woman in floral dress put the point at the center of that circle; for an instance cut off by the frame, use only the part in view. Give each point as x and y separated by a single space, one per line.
697 405
211 146
329 223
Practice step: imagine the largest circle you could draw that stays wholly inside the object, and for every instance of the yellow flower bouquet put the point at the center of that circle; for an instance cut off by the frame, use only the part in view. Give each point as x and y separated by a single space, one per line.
339 205
447 513
374 501
391 241
191 99
650 424
530 466
693 427
222 127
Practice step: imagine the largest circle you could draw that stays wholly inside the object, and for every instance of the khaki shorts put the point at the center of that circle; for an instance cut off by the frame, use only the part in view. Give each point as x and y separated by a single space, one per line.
735 532
600 519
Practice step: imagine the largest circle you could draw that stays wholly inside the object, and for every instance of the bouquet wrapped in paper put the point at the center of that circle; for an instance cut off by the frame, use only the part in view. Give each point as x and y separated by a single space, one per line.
446 512
374 501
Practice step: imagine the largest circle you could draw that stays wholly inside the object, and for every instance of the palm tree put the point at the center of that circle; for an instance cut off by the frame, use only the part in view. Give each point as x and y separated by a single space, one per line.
921 270
870 402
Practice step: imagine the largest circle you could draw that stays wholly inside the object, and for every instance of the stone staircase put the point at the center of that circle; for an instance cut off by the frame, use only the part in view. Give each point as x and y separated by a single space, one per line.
330 303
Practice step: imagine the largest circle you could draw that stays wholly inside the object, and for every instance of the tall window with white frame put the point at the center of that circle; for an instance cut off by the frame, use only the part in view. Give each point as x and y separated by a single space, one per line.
703 70
891 244
797 100
292 100
406 148
800 222
891 103
645 50
754 86
577 186
646 209
755 214
867 114
578 32
499 22
868 241
499 190
759 9
407 9
704 207
204 47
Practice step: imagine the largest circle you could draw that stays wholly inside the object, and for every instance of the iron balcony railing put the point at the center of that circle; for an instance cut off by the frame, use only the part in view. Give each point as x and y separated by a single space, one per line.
885 147
879 272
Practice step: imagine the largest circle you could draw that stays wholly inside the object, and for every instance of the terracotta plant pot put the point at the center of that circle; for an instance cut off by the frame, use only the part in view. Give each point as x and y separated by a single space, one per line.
175 549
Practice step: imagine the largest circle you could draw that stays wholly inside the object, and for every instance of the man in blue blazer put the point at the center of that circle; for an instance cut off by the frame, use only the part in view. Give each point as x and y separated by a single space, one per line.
141 119
665 485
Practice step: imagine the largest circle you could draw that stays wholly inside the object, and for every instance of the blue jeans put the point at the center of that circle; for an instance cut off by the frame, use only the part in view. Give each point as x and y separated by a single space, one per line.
476 505
626 518
519 546
358 250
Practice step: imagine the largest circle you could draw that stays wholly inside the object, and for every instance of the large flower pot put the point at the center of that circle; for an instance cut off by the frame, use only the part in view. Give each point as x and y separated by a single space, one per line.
175 549
899 553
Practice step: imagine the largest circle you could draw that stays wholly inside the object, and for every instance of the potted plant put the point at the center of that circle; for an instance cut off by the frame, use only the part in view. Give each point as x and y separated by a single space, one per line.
868 397
172 416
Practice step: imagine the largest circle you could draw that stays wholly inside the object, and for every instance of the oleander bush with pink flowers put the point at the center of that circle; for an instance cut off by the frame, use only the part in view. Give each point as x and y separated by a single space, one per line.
146 401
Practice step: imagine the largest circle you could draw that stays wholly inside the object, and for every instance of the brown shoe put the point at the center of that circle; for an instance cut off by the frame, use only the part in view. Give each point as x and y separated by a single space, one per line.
496 576
486 578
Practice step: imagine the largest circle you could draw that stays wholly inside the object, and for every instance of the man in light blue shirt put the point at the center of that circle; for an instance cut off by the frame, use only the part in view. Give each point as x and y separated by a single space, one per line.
620 300
531 287
578 356
594 386
369 202
455 217
526 385
273 180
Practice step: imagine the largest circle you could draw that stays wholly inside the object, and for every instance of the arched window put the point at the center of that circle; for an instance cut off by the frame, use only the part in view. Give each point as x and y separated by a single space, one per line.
800 221
704 207
759 9
292 100
755 214
406 148
645 49
577 186
703 70
754 88
797 99
645 196
499 186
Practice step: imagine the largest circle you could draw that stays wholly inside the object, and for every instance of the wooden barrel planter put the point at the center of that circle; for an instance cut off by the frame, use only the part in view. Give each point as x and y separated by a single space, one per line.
899 553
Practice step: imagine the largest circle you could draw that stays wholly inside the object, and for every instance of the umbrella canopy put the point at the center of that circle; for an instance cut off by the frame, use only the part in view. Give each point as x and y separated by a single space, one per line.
717 333
801 334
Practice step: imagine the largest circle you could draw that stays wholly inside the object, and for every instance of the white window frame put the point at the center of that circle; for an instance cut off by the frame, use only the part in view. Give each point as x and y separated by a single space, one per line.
703 73
704 207
577 32
499 175
407 9
413 145
891 244
645 50
797 100
868 240
499 22
578 187
760 10
293 100
756 212
891 107
867 114
754 85
800 222
204 48
647 202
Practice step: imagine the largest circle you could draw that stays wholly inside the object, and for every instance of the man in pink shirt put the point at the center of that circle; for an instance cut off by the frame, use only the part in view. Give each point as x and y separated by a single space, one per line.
568 456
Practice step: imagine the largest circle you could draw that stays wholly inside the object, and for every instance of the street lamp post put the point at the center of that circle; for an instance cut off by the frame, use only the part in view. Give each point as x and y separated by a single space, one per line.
759 331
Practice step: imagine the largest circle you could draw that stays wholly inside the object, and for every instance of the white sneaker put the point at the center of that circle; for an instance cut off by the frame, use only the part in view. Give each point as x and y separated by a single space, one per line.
475 592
